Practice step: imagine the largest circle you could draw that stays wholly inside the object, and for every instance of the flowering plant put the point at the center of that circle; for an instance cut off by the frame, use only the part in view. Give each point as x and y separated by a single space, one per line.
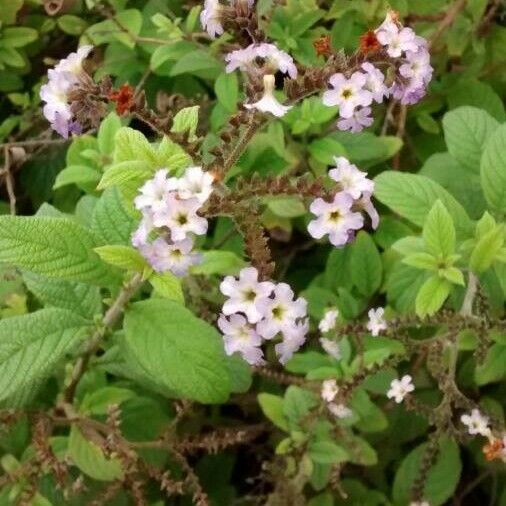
231 293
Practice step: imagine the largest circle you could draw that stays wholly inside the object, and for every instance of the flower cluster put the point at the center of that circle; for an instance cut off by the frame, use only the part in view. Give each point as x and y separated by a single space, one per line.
63 79
329 392
476 423
328 323
262 61
169 208
211 17
355 93
258 311
400 388
341 217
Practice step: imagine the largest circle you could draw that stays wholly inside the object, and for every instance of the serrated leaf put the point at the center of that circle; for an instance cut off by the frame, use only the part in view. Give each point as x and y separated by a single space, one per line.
432 296
439 232
486 250
77 174
297 403
107 133
53 247
453 275
421 261
493 170
31 346
128 176
111 223
176 350
412 196
123 257
186 121
130 144
80 298
466 131
365 263
98 401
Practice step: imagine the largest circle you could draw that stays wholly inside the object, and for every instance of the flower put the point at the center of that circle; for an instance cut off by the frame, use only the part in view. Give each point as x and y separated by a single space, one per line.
176 257
329 390
246 294
240 337
277 59
359 120
365 203
331 347
124 98
73 63
280 312
397 40
476 423
339 410
376 321
400 388
155 192
195 184
352 181
240 59
293 339
210 18
268 102
348 94
375 82
335 219
328 322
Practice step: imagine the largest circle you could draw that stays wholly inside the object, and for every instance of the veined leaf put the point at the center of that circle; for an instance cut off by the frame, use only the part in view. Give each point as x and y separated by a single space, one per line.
439 231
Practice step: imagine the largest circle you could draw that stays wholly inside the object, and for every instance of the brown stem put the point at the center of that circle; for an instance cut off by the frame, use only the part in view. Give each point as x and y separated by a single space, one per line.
447 21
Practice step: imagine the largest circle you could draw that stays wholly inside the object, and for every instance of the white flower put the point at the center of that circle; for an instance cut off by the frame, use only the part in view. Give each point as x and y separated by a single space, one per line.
417 67
56 97
335 219
210 18
331 347
155 192
180 216
348 94
329 320
73 63
293 339
239 336
376 321
246 294
195 184
339 410
365 203
359 120
140 236
241 58
398 40
329 390
352 181
277 59
268 102
375 82
281 312
400 388
476 423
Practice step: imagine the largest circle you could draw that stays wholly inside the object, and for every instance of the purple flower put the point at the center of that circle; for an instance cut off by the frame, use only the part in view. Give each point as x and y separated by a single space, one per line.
375 82
357 122
210 18
293 339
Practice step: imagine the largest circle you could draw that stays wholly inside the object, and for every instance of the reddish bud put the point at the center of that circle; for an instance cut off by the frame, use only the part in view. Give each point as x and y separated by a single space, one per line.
124 98
369 43
322 46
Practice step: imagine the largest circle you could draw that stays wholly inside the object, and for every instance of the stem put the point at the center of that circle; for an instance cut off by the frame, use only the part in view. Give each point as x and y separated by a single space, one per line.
472 288
241 145
110 318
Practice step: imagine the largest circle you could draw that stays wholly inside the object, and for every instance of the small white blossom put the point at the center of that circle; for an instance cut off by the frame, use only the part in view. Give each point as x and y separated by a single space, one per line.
240 58
366 204
352 181
348 94
476 423
268 102
155 192
210 18
328 322
376 321
360 119
375 82
280 312
246 294
397 40
400 388
335 219
329 390
293 339
240 337
331 347
195 184
339 410
277 59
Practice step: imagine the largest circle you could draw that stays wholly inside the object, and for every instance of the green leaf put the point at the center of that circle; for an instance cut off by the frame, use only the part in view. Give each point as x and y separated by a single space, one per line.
219 262
99 401
167 285
326 149
286 207
466 131
186 121
272 407
196 62
130 20
297 403
486 250
18 36
73 25
130 144
53 247
453 275
128 176
11 57
90 458
326 452
77 174
492 370
9 10
111 223
107 133
80 298
493 170
421 261
442 478
31 347
365 263
439 232
226 88
432 295
176 350
372 419
412 196
123 257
